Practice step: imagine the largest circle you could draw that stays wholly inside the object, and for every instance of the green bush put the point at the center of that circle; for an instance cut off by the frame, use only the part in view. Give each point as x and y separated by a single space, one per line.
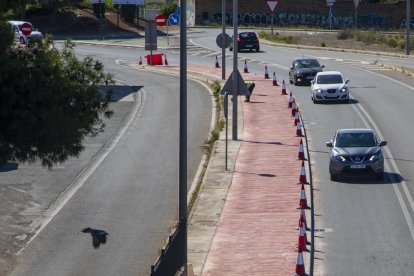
263 35
392 42
128 13
344 34
168 9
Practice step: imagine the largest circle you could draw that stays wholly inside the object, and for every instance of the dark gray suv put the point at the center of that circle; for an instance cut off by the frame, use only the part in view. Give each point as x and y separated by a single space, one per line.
356 151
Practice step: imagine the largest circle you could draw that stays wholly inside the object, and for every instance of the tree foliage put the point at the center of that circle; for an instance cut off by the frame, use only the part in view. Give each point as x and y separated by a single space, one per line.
50 101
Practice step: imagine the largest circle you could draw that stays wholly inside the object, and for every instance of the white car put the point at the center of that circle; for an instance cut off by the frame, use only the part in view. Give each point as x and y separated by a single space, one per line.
329 86
19 36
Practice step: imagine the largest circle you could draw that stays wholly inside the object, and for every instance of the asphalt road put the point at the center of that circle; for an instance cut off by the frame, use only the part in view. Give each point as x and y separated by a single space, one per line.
362 226
129 189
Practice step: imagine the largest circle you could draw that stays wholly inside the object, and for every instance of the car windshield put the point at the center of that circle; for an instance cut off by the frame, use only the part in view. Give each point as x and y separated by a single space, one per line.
329 79
308 63
345 140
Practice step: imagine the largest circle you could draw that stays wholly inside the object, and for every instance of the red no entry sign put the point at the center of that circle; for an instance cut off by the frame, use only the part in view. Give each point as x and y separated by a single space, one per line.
160 20
272 4
26 28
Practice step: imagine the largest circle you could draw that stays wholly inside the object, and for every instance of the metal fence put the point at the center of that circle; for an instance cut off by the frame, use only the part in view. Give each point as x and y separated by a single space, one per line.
171 259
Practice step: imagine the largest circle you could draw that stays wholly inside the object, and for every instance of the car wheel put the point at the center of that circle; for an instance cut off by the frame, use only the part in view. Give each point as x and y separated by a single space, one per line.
257 49
231 49
334 177
380 176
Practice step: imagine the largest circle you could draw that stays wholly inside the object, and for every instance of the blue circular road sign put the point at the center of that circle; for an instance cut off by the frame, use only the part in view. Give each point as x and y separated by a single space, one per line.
174 19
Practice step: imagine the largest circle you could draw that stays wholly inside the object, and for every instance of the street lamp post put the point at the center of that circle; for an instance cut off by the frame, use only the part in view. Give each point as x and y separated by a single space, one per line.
408 27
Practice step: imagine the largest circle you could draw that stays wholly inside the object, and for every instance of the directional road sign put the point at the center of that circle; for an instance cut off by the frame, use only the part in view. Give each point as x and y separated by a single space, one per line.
160 20
174 19
272 4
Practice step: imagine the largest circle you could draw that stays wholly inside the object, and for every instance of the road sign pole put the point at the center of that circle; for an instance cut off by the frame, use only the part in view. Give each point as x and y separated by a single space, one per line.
408 27
235 69
273 15
168 36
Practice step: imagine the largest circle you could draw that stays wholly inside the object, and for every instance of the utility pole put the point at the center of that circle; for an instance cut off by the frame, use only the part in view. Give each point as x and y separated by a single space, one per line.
223 31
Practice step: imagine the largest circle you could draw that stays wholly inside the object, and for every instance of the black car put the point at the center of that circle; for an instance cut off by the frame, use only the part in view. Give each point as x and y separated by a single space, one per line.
303 70
246 40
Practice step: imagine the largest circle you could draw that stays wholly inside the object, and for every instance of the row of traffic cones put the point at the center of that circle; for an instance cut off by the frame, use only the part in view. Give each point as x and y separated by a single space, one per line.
303 204
165 60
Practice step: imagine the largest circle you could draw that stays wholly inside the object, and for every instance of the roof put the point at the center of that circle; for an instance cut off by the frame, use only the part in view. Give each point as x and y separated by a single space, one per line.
305 59
355 130
18 22
329 73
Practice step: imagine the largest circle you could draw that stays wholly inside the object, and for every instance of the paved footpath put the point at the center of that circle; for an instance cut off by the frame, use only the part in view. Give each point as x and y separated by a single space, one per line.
256 232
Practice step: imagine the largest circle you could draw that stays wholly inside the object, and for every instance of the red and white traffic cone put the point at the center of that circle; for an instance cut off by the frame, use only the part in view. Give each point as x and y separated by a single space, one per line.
300 265
301 154
165 59
303 203
245 67
140 61
266 73
217 63
290 100
302 177
299 130
293 107
296 117
302 238
302 218
284 88
274 79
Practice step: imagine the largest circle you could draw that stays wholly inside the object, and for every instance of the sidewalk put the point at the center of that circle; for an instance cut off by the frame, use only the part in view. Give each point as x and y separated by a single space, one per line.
256 231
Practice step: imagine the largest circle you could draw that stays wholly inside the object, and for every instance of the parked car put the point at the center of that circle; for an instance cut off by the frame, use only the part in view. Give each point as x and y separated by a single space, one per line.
246 40
356 151
329 86
20 37
303 70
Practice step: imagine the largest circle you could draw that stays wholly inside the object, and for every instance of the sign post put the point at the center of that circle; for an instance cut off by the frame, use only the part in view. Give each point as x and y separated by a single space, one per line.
173 20
272 6
330 3
356 3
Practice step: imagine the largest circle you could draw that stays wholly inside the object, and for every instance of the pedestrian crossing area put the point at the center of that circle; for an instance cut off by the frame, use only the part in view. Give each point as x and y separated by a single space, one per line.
368 65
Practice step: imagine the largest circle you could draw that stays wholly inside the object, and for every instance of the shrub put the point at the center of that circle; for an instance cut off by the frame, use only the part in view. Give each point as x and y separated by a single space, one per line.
263 35
168 9
323 44
401 44
344 34
392 42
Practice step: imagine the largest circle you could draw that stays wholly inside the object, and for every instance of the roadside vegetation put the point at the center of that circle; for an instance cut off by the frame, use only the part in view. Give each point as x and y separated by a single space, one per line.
374 37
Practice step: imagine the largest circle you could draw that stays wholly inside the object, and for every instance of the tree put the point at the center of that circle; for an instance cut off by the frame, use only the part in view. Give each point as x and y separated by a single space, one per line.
50 101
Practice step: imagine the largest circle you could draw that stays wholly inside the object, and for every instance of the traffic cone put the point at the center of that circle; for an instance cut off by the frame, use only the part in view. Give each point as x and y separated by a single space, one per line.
245 67
217 63
165 59
301 154
302 177
296 117
266 73
140 61
303 203
293 107
300 265
302 238
274 79
290 100
302 219
299 130
283 88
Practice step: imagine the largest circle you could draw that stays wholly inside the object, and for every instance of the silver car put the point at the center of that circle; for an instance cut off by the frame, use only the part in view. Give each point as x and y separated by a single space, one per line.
329 86
19 36
356 151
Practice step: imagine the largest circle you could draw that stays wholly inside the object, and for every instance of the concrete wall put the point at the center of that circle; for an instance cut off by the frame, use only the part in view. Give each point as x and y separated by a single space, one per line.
305 12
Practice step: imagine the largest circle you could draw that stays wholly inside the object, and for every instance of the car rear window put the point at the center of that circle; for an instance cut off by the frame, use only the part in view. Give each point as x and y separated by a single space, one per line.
247 35
346 140
329 79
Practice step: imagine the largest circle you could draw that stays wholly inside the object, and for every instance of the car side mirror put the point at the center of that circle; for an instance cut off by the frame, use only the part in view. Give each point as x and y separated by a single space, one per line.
329 144
291 67
323 66
347 81
383 143
312 81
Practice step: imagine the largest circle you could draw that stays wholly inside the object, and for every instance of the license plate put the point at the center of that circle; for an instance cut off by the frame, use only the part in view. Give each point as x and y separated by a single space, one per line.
358 166
249 46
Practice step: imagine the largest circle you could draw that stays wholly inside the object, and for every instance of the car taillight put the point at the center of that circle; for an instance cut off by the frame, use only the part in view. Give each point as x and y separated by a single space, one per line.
256 40
238 39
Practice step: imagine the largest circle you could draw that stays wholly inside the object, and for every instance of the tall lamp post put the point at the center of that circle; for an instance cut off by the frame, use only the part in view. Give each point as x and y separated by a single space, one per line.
408 27
182 171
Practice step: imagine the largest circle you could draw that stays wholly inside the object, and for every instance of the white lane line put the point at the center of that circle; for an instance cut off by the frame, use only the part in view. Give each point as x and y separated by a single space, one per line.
83 176
394 165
